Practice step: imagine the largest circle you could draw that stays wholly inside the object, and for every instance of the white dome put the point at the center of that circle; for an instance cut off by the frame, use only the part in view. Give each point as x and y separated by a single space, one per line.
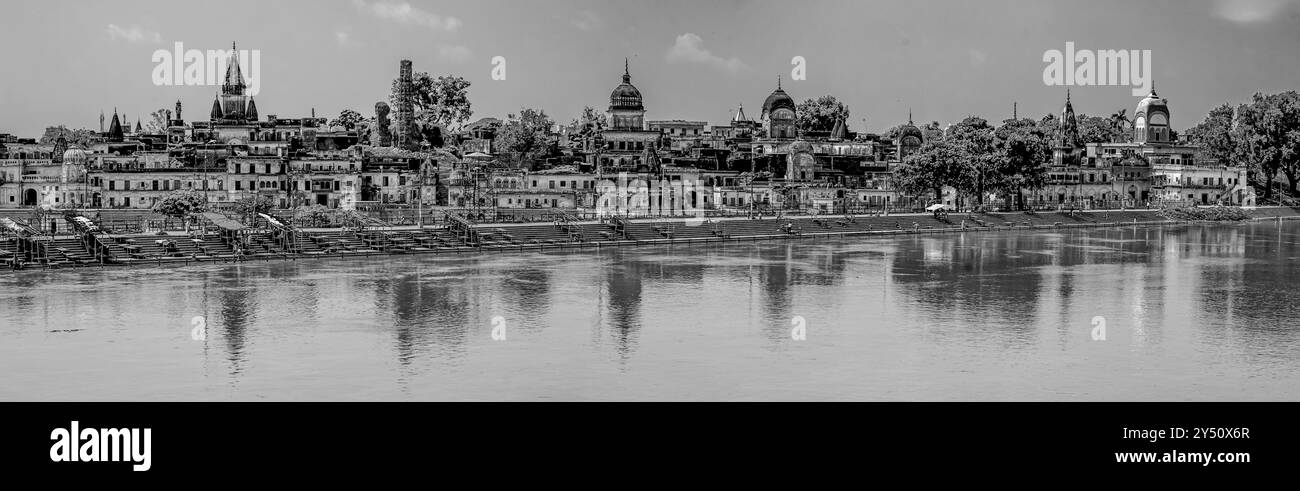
74 156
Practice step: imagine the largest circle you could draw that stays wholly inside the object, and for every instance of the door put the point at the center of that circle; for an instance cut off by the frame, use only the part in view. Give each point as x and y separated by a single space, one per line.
29 198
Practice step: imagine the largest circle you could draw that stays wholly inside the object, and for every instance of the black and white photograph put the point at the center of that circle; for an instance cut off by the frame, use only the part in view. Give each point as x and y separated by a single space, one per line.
411 201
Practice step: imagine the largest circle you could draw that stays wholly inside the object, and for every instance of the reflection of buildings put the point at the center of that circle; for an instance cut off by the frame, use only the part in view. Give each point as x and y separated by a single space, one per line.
621 301
238 307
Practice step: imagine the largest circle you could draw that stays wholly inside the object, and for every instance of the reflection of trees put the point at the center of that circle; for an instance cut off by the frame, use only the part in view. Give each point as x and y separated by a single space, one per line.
1249 304
426 312
529 289
972 281
780 267
775 276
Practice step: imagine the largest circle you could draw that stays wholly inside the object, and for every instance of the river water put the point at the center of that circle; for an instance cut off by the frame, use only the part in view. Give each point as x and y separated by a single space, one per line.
1191 312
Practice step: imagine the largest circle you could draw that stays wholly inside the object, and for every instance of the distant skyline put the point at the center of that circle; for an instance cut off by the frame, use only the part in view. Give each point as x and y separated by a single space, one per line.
66 61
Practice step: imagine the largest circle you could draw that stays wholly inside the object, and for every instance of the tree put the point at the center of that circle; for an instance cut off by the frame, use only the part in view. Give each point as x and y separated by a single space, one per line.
820 114
182 205
1050 125
1120 125
314 215
1095 129
526 133
1267 139
935 165
441 102
589 122
1024 152
158 121
932 131
348 119
1214 134
247 207
80 138
977 139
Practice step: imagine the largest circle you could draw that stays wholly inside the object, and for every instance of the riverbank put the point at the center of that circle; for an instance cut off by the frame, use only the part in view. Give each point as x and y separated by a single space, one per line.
493 238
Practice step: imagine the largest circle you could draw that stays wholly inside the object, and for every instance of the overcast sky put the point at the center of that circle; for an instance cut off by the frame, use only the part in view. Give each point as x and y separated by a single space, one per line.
66 61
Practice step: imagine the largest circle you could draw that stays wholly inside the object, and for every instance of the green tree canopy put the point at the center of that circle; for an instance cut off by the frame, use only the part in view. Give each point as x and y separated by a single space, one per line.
348 119
526 133
820 114
76 138
935 165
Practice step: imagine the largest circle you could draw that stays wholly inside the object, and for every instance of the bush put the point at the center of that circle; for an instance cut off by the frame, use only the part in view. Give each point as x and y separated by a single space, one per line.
314 215
1211 214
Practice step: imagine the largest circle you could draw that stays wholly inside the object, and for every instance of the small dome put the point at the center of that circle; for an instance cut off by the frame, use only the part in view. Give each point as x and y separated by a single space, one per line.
910 129
74 156
778 99
1152 102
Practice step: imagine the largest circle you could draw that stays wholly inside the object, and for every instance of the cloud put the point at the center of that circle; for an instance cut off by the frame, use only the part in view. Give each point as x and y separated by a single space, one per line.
134 34
454 53
689 49
1251 11
977 57
405 13
343 38
588 21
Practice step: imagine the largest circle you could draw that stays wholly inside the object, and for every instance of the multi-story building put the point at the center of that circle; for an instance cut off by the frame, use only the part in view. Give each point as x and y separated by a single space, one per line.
1150 169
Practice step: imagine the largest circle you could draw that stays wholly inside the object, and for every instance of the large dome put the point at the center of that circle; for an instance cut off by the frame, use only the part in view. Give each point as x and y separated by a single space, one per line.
626 95
1152 103
778 99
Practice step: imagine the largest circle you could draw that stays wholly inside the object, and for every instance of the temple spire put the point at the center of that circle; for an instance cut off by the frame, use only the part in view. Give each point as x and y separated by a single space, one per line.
909 115
778 82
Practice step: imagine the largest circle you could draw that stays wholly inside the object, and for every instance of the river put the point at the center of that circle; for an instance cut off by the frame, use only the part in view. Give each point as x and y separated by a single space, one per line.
1190 312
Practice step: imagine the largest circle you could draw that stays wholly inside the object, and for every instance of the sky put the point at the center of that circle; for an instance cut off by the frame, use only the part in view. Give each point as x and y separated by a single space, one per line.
66 61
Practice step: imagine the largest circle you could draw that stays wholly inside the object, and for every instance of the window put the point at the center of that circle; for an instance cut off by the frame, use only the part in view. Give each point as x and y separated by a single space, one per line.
239 186
552 184
112 185
155 185
385 181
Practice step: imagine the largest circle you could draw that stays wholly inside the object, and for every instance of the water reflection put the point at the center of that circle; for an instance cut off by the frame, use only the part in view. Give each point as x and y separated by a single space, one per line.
958 312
